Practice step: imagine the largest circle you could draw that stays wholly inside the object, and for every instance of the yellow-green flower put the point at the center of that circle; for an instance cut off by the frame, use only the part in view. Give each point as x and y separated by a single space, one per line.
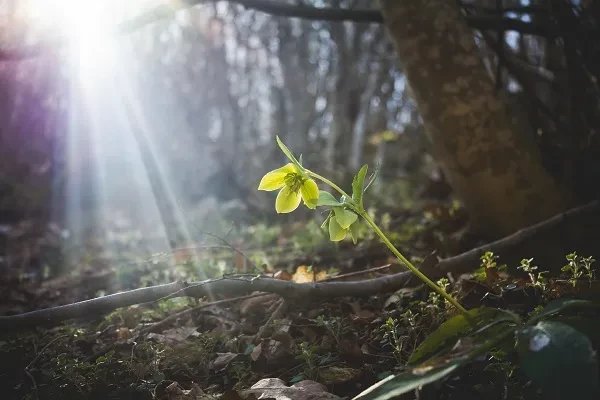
295 185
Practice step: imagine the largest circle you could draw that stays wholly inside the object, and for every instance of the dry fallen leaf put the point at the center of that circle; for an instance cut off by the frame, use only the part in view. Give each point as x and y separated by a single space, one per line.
257 305
282 275
175 335
175 392
335 375
223 360
306 274
275 388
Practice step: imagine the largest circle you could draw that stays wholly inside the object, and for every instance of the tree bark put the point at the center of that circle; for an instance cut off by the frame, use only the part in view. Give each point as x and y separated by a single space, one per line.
487 153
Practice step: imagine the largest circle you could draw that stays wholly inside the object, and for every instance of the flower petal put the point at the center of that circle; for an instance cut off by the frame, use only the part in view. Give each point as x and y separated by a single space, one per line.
336 232
287 201
310 193
275 179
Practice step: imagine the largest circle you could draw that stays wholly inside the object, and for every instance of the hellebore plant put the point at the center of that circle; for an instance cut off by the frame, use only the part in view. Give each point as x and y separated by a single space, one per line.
297 184
294 184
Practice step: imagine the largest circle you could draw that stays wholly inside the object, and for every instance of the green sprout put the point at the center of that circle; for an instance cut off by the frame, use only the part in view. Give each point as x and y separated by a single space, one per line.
579 267
537 279
298 183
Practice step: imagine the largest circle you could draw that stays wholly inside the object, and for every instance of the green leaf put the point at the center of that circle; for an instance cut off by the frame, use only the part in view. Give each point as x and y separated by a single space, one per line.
588 325
336 232
393 386
372 177
438 367
344 217
357 185
327 199
449 332
561 306
559 359
354 232
288 153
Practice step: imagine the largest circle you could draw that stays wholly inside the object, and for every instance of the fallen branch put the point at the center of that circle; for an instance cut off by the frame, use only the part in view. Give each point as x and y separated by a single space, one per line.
237 285
188 311
547 241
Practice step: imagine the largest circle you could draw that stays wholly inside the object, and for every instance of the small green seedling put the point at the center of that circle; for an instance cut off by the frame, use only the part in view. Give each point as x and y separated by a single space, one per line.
537 279
578 267
297 184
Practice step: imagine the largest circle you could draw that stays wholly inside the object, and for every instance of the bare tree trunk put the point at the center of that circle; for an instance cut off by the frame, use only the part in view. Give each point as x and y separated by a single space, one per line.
487 152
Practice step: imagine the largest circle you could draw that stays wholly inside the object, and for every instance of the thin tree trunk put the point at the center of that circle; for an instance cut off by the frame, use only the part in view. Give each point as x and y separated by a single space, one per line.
487 153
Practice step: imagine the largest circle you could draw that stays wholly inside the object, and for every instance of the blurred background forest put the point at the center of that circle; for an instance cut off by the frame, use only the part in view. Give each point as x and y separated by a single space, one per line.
150 137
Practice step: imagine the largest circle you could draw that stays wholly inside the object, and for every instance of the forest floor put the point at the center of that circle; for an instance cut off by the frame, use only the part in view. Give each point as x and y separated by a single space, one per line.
259 345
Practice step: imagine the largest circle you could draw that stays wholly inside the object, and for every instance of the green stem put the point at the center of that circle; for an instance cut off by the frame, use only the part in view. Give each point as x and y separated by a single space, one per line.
393 248
410 266
328 182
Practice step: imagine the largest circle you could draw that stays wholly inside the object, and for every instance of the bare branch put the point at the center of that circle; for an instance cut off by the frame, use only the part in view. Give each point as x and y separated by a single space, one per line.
548 241
230 286
495 23
276 8
307 12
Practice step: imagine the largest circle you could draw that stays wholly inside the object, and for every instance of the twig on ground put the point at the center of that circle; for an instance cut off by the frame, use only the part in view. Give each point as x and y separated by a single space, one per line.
561 233
38 355
27 369
283 304
357 273
160 324
232 248
235 285
547 241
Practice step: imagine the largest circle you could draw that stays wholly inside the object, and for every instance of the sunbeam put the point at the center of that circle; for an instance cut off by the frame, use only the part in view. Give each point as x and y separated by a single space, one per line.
116 172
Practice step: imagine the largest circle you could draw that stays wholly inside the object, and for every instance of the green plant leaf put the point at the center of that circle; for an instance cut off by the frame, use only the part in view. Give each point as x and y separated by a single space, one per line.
357 185
327 199
395 385
560 306
559 359
372 177
336 232
288 153
438 367
449 332
344 217
588 325
354 228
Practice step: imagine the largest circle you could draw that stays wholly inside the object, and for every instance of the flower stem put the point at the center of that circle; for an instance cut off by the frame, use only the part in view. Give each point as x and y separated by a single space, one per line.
391 247
410 266
328 182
